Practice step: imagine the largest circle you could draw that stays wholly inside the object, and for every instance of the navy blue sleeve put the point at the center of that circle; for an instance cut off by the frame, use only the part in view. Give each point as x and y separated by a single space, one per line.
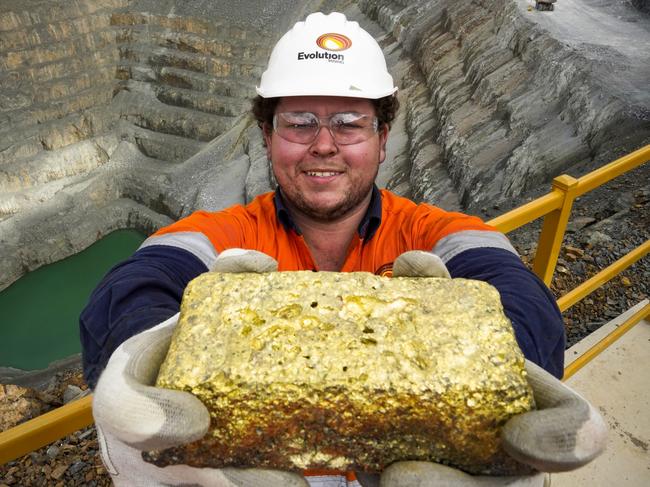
526 300
134 296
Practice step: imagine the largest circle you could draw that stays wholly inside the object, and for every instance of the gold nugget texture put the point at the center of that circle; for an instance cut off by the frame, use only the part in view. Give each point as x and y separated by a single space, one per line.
304 370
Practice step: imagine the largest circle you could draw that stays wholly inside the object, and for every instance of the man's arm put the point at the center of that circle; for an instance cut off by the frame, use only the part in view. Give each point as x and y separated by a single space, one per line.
134 296
527 302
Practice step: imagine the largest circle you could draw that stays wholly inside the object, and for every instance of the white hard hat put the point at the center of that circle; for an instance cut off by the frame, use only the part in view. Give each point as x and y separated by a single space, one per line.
327 55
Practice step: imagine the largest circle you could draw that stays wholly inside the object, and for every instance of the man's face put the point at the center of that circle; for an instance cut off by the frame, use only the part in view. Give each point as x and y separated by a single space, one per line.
323 179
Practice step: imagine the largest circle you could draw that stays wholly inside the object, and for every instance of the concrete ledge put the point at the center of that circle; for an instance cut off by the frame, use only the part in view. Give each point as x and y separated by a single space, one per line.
616 383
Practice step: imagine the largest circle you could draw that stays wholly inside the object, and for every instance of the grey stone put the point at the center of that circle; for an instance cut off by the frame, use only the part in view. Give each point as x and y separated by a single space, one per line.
76 467
578 223
71 393
86 434
597 238
52 452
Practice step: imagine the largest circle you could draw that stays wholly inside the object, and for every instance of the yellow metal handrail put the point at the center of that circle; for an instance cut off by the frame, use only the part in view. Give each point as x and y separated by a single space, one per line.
555 207
602 345
46 428
527 213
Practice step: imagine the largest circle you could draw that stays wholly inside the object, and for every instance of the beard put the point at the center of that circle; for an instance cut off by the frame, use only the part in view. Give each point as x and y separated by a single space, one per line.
353 198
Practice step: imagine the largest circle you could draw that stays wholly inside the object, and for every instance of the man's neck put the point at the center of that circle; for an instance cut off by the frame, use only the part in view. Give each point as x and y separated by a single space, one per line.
329 241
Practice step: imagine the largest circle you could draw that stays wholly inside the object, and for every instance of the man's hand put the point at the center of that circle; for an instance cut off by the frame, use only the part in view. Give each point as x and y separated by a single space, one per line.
564 433
131 415
418 263
240 260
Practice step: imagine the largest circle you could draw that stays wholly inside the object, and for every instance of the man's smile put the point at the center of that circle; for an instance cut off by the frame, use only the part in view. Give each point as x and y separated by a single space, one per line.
322 174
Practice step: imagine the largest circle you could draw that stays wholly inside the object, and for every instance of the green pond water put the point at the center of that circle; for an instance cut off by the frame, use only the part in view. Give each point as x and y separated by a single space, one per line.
39 313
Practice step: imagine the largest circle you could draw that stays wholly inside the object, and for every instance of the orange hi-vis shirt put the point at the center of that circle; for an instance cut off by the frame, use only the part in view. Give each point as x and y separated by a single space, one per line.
402 226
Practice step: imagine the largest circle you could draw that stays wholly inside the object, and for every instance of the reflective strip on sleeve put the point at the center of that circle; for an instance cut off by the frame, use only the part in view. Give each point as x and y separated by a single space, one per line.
450 246
194 242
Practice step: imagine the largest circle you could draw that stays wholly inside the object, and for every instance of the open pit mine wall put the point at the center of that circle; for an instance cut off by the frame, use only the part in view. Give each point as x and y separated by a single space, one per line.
513 106
80 77
57 75
132 113
125 114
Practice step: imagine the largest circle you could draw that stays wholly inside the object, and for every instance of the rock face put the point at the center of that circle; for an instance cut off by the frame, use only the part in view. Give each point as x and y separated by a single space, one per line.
132 113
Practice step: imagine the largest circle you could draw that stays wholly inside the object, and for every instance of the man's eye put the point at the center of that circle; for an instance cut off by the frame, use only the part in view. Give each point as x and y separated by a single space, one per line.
347 125
349 121
301 125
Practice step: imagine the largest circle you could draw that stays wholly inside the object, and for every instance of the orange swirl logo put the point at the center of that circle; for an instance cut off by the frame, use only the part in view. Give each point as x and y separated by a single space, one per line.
334 42
385 271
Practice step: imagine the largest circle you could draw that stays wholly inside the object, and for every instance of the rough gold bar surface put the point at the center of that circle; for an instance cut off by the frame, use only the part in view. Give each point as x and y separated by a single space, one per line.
344 371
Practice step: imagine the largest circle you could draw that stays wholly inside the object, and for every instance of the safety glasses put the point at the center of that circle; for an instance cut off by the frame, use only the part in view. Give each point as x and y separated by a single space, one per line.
347 128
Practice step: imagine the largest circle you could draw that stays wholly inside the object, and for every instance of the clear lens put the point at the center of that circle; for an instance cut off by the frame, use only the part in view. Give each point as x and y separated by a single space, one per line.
346 128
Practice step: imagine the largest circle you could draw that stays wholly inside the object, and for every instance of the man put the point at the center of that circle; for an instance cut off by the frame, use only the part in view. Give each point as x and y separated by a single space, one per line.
325 106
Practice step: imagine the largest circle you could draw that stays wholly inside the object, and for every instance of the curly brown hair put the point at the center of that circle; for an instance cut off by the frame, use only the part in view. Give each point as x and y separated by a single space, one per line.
264 109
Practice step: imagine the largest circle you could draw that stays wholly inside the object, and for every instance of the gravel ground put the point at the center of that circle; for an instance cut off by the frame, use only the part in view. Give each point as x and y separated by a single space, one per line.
72 461
605 224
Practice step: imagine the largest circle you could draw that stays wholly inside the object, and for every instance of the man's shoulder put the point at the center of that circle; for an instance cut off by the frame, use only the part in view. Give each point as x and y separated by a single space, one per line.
261 208
262 203
395 204
405 213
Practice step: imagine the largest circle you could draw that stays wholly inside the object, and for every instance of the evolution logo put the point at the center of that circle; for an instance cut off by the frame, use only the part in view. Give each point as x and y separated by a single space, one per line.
329 42
334 42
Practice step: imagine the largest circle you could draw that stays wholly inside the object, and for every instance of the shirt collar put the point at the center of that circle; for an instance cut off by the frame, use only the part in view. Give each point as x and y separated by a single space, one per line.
367 228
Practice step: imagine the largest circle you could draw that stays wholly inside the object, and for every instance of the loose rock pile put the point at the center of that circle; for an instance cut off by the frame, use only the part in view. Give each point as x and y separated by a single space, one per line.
71 461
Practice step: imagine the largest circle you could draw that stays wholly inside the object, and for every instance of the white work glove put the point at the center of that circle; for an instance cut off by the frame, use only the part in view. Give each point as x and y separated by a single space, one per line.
240 260
564 433
418 263
132 416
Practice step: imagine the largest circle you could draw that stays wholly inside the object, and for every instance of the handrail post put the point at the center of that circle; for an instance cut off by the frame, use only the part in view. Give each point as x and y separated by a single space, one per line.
555 223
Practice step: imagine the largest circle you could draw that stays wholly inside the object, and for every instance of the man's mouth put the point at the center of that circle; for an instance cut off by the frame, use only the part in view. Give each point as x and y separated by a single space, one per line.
322 174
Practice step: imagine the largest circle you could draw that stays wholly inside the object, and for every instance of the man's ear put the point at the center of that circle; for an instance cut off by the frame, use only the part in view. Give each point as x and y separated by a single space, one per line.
383 138
267 133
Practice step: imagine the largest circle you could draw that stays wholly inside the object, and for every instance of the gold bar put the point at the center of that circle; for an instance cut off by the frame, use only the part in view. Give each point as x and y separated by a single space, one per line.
594 282
305 370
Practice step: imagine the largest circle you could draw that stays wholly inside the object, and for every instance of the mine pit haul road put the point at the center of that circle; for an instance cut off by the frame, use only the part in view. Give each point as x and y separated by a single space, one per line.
608 367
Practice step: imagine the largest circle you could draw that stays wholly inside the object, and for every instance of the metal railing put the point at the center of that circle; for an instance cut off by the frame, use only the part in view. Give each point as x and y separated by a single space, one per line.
555 207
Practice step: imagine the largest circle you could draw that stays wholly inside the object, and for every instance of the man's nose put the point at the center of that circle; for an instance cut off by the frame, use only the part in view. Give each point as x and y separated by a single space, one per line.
324 143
